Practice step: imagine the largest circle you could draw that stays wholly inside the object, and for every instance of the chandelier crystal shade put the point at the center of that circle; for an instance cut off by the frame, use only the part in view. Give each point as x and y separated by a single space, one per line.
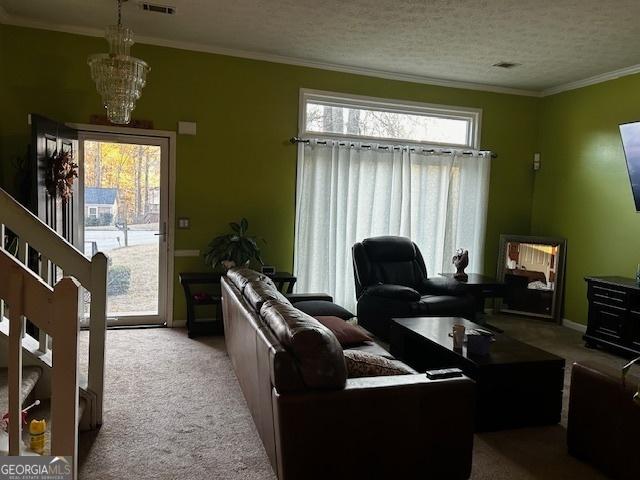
119 77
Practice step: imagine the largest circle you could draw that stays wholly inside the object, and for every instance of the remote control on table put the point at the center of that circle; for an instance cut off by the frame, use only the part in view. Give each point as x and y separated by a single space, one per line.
444 373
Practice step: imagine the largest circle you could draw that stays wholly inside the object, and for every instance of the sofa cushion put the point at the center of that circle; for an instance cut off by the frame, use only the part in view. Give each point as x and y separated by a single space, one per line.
258 292
371 347
346 333
241 276
364 364
323 308
316 350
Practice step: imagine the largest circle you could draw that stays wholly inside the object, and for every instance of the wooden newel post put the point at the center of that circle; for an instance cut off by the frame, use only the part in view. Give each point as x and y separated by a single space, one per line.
64 375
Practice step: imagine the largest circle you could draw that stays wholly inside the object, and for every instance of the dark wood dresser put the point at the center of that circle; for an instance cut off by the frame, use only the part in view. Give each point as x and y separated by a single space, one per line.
614 314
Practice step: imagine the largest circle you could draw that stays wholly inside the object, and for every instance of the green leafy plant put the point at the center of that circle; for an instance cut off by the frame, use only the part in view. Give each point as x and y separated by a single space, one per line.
233 249
118 280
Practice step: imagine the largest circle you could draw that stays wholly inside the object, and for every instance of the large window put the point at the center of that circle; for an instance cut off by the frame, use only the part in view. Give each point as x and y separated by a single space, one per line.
331 115
370 167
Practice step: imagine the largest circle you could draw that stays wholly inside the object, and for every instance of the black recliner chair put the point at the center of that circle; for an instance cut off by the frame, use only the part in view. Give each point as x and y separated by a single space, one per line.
391 281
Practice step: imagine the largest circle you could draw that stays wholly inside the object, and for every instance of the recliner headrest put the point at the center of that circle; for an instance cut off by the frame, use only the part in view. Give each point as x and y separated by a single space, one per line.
389 249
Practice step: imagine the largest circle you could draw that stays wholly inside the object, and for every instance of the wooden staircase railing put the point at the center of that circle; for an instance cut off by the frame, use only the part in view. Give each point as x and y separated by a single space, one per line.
54 310
54 254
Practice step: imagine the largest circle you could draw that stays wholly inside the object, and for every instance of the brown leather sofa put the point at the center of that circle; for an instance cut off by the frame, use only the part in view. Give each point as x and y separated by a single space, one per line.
315 423
604 422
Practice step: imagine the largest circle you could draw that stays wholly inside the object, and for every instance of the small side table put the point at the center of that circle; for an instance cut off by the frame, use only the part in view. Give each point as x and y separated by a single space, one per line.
284 281
202 326
481 287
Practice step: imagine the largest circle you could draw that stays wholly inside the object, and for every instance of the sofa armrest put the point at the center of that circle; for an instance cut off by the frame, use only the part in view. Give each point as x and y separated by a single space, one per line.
404 426
603 421
303 297
604 376
397 292
444 286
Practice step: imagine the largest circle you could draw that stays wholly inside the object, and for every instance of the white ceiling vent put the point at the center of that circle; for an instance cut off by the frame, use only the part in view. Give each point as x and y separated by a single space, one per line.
154 7
506 65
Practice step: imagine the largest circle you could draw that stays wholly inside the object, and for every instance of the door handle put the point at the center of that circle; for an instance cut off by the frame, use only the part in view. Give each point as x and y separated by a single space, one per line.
162 233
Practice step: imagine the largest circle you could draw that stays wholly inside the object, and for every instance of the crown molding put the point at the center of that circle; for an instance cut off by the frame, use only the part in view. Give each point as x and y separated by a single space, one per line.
267 57
603 77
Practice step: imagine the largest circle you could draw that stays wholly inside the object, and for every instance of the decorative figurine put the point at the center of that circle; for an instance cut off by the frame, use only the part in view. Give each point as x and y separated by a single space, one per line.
461 261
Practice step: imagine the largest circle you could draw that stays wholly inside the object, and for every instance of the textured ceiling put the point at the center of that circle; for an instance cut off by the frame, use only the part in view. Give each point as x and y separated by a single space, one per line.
556 41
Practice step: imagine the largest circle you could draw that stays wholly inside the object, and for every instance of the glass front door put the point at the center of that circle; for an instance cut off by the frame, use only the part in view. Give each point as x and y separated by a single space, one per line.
124 216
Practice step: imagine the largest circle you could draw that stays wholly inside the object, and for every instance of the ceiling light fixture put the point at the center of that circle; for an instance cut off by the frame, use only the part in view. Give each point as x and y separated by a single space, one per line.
119 77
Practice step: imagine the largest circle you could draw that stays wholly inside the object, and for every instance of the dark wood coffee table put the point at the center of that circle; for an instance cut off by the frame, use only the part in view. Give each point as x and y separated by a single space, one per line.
517 385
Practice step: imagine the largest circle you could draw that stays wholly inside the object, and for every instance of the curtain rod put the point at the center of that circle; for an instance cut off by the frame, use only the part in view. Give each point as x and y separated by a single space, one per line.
296 140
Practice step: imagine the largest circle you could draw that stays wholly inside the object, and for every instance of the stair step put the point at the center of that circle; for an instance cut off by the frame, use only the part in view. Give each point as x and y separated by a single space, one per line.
30 345
30 376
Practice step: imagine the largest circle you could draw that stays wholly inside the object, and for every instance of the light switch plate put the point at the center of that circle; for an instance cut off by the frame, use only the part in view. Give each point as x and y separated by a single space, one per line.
536 162
184 222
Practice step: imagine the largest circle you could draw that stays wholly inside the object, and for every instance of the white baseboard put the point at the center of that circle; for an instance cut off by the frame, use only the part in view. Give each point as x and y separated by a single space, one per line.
574 326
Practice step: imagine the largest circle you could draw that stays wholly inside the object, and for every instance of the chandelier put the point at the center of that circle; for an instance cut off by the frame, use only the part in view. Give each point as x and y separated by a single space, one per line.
119 77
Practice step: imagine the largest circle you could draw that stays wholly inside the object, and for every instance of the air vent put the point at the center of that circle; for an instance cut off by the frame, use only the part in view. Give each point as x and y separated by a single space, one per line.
506 64
153 7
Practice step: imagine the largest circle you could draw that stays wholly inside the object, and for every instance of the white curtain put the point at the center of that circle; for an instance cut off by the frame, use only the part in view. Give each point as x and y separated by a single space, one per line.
348 191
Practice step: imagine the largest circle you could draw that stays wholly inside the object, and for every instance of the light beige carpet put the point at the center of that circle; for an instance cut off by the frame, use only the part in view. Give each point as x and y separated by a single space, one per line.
174 410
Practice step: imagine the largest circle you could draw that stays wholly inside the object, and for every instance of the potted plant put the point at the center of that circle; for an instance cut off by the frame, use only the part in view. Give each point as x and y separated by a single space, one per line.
233 249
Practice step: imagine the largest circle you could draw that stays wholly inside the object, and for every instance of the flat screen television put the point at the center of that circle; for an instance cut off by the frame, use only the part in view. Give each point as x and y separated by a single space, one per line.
630 133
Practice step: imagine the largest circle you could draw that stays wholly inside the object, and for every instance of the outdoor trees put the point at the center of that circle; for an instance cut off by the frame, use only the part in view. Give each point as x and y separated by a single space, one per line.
382 124
134 170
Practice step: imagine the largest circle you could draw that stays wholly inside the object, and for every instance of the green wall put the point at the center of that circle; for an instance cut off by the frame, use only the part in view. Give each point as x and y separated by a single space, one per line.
240 163
582 191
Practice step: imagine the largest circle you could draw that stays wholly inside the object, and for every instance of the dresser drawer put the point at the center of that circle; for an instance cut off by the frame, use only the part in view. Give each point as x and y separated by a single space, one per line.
608 296
614 314
607 321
